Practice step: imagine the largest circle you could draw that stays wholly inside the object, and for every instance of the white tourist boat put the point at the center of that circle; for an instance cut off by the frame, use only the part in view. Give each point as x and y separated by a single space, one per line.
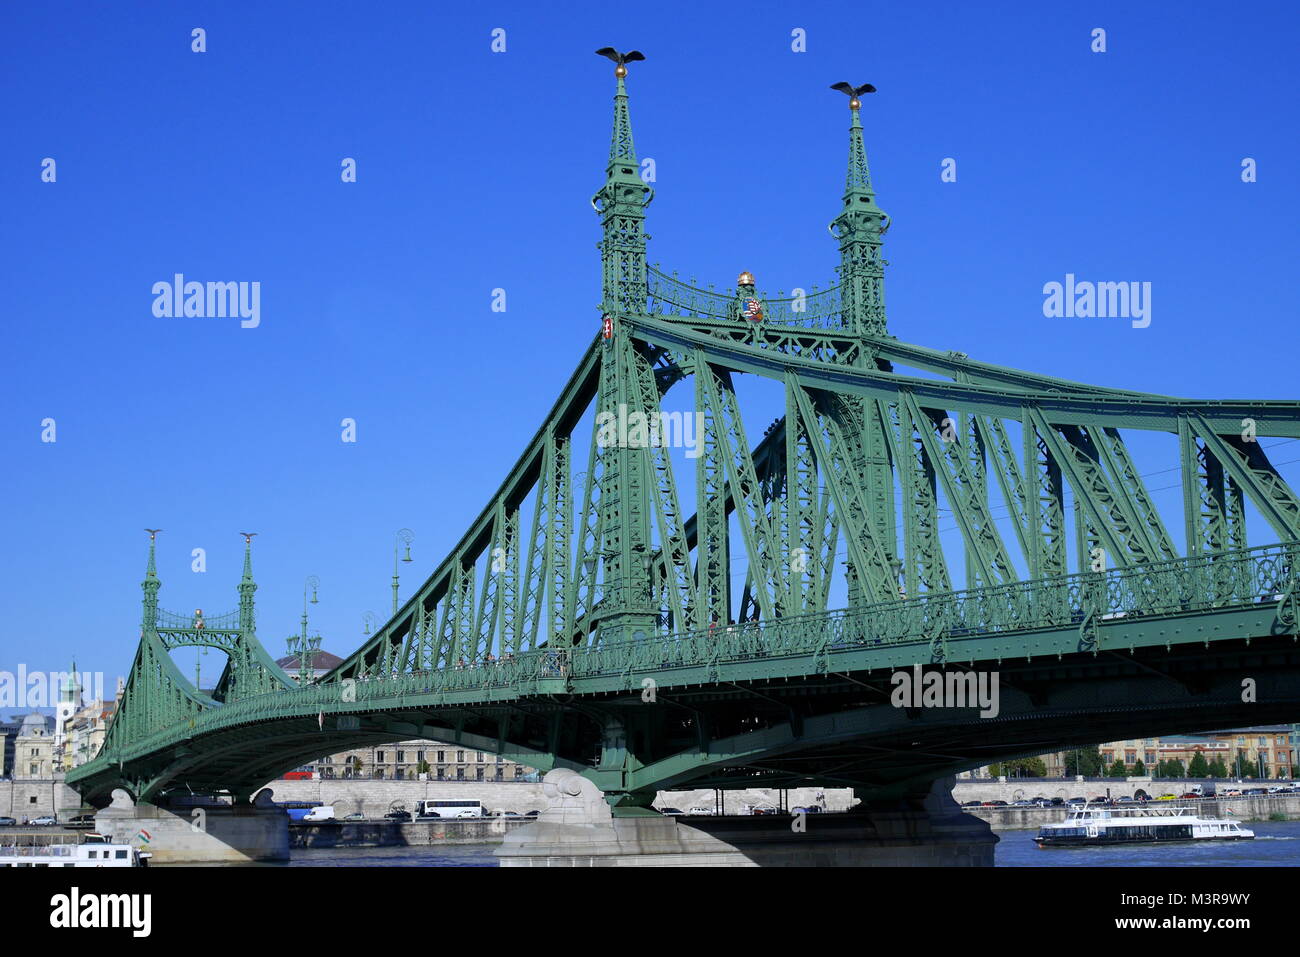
1088 827
68 850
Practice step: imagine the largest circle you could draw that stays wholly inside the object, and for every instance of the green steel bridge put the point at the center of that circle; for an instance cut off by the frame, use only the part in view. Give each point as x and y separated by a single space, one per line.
587 621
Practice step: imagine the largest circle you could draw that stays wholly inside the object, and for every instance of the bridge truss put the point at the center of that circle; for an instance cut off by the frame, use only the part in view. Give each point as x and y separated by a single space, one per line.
653 618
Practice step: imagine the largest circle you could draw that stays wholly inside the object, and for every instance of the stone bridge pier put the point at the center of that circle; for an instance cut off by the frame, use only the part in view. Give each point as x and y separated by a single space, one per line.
577 829
199 833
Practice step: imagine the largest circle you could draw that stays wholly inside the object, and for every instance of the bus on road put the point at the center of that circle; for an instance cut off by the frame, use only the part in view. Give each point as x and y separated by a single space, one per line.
449 809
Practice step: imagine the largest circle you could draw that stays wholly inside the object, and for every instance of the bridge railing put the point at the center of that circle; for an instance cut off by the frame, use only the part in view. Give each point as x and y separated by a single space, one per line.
666 295
170 621
1206 582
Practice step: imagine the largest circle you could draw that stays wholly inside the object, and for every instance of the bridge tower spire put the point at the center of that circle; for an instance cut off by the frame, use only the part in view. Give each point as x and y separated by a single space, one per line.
150 585
621 203
859 228
622 533
247 587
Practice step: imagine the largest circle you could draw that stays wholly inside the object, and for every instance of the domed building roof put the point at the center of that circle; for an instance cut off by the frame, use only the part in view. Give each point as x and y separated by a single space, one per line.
35 725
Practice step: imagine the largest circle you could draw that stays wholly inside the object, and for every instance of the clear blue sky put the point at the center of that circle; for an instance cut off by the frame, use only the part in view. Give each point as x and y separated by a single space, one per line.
474 172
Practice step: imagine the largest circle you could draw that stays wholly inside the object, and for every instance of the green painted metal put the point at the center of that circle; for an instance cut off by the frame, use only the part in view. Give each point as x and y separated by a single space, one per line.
536 632
859 228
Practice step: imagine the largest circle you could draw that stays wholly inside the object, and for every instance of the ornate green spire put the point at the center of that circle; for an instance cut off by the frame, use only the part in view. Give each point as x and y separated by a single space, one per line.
859 228
623 523
621 148
247 586
858 180
150 585
621 203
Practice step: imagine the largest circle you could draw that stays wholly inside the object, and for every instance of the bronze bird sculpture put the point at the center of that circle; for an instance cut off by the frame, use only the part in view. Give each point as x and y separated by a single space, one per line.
620 59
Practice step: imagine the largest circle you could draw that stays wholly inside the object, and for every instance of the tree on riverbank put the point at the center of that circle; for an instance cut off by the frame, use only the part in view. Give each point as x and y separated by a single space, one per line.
1084 761
1020 768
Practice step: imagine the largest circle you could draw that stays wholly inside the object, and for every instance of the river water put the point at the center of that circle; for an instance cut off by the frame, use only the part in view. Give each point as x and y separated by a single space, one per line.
1276 844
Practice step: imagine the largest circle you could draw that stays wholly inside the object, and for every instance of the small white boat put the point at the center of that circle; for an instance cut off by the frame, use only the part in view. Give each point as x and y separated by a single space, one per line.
1089 827
68 850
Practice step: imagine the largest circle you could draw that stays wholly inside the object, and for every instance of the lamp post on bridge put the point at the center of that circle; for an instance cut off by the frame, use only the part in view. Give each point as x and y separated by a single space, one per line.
309 585
303 646
404 537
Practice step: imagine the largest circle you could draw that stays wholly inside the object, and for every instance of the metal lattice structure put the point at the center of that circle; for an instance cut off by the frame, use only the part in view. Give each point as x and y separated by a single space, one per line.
573 592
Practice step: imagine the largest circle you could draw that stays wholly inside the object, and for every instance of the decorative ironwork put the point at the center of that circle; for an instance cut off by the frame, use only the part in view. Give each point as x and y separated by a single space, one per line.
666 295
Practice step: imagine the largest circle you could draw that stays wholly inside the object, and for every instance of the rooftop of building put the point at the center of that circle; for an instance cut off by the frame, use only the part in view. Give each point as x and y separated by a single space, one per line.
320 661
35 724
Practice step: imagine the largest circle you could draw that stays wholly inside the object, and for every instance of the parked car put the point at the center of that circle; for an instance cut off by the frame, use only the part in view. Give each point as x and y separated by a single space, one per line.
1124 800
398 816
810 809
970 803
532 814
322 812
766 809
698 811
82 820
355 816
1166 797
46 820
1232 792
1192 795
1057 802
670 810
1022 803
7 822
1077 801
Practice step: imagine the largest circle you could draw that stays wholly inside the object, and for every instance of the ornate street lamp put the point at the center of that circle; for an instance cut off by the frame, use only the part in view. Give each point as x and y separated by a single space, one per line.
301 645
404 538
310 585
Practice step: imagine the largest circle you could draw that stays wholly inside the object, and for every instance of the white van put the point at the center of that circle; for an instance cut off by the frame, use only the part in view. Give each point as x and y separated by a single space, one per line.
324 812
